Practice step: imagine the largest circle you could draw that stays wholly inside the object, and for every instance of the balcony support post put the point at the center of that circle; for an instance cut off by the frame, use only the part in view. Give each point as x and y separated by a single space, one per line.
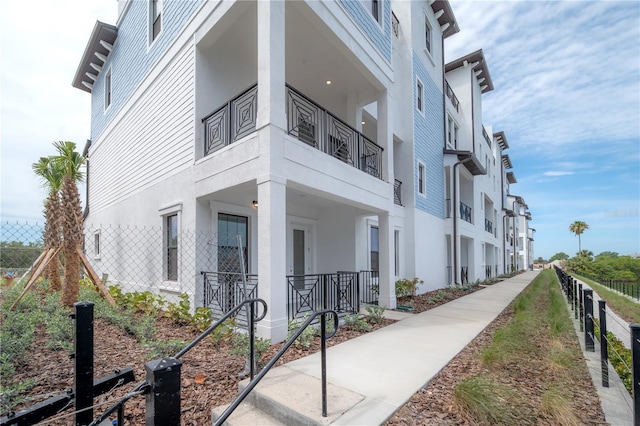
387 296
271 64
385 138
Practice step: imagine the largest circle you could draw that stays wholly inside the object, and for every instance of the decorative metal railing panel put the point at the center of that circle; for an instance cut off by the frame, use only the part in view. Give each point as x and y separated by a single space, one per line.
488 226
464 275
395 24
452 97
232 121
465 212
486 136
223 291
310 123
369 286
487 271
309 293
397 192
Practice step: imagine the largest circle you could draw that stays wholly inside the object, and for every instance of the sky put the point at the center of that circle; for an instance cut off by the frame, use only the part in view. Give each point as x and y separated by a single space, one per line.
567 96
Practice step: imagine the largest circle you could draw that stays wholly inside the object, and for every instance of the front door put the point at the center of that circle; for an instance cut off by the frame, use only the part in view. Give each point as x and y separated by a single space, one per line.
300 249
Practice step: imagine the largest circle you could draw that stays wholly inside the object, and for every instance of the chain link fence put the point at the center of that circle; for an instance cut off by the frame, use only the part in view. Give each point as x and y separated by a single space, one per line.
20 246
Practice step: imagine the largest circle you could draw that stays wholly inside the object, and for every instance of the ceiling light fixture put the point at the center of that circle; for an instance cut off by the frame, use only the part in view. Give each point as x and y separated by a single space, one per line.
328 82
254 204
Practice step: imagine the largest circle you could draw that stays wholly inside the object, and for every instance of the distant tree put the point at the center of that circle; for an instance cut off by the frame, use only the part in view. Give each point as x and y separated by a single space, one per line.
540 260
578 227
585 253
51 176
607 254
70 162
559 256
18 255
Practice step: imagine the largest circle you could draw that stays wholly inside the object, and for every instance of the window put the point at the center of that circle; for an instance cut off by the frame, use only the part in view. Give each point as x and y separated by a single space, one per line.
229 227
171 247
107 89
419 96
374 7
396 249
422 190
96 244
155 19
374 250
427 34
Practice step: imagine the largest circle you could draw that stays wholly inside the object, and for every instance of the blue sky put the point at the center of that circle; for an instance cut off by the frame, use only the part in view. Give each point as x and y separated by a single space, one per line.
567 96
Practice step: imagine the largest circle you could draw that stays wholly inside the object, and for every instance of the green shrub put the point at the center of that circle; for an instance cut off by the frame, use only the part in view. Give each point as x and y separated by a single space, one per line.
224 331
406 287
165 348
180 312
356 323
375 313
60 329
306 338
240 345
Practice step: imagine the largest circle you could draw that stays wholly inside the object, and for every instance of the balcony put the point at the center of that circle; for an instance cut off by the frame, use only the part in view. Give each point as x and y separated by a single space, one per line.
486 136
397 192
488 226
306 121
465 212
452 97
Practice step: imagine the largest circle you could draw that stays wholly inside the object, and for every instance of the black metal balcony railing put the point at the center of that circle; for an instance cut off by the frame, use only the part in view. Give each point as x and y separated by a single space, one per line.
488 226
397 192
308 293
452 97
464 275
317 127
486 136
232 121
465 212
395 24
487 271
225 290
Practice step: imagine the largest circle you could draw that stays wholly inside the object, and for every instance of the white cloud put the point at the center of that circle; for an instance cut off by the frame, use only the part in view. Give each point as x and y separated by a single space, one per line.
557 173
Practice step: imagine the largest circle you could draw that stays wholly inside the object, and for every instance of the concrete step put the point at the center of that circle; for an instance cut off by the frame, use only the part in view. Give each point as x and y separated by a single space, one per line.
245 415
291 398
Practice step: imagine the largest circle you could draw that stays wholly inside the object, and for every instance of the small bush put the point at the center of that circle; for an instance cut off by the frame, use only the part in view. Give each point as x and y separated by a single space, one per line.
375 313
224 331
484 400
356 323
240 345
165 348
406 287
180 312
306 338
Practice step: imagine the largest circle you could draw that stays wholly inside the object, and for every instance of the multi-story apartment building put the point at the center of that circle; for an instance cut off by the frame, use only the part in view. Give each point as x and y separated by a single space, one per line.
316 131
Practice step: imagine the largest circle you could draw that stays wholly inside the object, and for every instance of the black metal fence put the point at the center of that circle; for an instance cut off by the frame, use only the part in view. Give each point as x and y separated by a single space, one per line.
594 325
630 288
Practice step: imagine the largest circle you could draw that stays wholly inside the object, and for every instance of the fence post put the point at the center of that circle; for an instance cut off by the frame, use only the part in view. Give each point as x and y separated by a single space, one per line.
581 306
588 320
574 294
83 357
163 398
604 343
635 361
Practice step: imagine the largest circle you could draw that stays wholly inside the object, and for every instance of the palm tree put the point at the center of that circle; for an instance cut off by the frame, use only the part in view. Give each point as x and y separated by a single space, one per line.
578 227
52 180
70 162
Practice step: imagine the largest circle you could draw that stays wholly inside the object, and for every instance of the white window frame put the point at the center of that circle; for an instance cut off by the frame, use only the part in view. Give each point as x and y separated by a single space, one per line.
160 12
165 213
108 90
420 96
96 243
368 4
396 252
452 132
422 179
428 36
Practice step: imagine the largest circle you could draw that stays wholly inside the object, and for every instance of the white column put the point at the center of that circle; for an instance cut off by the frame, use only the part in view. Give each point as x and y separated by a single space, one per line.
354 110
272 250
387 296
385 137
271 64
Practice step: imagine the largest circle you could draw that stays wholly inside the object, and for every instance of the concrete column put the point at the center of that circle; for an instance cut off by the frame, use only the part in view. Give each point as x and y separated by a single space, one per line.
385 137
271 64
386 261
272 251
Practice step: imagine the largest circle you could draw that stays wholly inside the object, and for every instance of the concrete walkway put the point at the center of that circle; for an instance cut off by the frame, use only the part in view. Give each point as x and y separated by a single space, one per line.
386 367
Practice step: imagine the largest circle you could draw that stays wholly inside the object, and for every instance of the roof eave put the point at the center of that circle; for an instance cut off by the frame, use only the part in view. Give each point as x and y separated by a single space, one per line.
102 34
480 68
446 17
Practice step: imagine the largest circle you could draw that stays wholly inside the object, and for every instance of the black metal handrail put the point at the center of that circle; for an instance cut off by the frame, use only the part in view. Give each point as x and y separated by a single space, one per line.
144 386
323 349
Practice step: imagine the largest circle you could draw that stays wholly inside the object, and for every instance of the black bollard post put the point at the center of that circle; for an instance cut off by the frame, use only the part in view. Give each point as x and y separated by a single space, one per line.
83 357
635 361
604 344
163 399
581 306
588 320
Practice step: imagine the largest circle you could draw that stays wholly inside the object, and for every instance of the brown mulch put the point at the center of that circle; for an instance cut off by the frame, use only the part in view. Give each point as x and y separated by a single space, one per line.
53 371
424 302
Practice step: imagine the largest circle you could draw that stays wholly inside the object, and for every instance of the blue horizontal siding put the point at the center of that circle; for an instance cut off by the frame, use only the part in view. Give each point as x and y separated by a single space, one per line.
380 35
428 134
132 58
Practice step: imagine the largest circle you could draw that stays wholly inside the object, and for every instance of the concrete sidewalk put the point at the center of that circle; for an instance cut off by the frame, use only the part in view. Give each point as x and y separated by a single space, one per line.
389 365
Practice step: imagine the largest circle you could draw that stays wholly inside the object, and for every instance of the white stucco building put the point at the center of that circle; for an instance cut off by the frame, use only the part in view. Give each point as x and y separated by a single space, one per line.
321 132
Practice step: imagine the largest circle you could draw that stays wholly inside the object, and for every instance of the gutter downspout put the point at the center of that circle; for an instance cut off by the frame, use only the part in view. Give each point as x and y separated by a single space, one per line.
455 209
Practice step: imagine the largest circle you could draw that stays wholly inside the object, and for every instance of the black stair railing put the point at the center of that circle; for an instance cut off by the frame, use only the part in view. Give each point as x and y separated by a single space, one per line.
323 352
